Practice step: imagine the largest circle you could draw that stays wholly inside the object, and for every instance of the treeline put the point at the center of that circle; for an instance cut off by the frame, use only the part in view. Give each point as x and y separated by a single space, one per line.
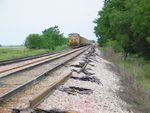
125 25
49 39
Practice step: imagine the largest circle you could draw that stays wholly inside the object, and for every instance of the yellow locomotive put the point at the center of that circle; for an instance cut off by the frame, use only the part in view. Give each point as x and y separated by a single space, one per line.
75 40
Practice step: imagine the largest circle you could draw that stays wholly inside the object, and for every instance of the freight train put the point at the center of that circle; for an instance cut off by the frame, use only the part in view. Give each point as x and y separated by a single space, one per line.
75 40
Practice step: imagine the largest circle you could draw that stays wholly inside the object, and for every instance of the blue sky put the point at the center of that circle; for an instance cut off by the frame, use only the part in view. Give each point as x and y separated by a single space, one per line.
19 18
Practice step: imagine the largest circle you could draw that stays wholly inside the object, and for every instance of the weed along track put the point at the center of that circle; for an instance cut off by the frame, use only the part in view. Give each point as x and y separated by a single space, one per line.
37 80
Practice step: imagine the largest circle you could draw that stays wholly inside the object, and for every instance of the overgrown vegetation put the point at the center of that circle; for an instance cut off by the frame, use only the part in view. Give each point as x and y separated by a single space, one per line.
137 67
125 26
134 75
12 53
123 31
50 39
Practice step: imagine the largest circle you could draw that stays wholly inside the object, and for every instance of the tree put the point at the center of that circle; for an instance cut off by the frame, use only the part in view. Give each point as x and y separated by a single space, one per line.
50 38
33 41
53 37
125 25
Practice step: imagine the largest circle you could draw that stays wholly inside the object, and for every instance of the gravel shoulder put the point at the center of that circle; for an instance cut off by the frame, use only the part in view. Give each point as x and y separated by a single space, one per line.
103 98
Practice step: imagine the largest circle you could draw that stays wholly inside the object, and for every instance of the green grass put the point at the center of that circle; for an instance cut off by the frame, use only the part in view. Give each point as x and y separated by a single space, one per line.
101 49
59 48
145 83
135 72
18 52
138 68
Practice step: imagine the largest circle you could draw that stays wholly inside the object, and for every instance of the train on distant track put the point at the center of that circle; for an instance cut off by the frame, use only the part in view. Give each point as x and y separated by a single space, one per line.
75 40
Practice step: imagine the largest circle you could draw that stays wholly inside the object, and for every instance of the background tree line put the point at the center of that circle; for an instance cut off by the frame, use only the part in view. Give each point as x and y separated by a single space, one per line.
49 39
125 25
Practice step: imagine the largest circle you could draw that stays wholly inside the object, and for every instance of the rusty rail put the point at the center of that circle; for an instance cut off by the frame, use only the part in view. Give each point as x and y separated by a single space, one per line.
31 66
36 61
5 62
37 100
12 92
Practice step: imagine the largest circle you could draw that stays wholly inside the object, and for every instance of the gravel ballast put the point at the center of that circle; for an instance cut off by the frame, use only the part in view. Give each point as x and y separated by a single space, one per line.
103 98
19 78
21 100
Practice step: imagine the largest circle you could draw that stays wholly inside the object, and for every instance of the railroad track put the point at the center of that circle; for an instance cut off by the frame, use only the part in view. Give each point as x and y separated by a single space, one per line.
14 68
37 99
6 62
34 80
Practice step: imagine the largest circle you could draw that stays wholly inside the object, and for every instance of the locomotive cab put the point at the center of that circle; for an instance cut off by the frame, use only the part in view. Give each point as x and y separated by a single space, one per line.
74 40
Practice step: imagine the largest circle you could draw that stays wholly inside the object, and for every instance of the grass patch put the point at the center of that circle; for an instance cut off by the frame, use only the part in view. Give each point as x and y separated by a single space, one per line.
134 75
18 52
59 48
101 49
141 71
136 66
145 83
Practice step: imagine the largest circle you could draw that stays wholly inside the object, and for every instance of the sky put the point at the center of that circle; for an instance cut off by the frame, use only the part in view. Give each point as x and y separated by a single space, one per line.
19 18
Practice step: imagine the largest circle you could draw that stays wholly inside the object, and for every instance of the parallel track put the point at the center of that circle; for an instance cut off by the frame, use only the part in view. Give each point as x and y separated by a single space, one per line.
5 62
10 71
34 102
37 100
10 93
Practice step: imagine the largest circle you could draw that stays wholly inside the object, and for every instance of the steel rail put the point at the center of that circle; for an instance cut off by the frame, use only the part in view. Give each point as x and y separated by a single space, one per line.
32 62
12 92
36 63
37 100
5 62
30 110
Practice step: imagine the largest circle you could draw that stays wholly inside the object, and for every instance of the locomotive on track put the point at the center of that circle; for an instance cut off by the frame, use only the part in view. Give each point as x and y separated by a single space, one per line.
75 40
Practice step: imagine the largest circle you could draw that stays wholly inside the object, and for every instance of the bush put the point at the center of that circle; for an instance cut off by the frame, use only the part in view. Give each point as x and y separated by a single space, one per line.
50 39
33 41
